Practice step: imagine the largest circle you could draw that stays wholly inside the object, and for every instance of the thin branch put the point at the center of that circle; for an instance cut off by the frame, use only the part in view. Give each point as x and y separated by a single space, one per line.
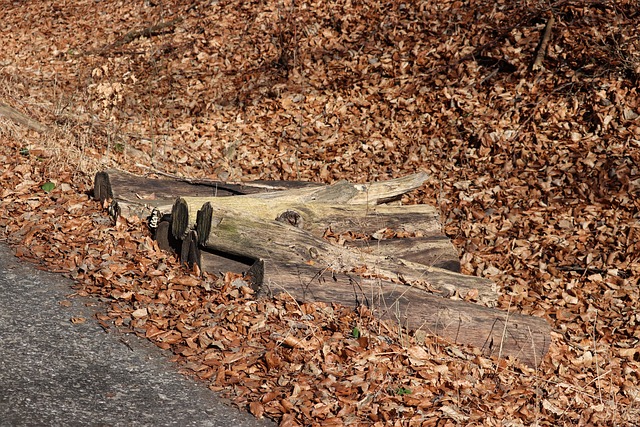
542 46
151 31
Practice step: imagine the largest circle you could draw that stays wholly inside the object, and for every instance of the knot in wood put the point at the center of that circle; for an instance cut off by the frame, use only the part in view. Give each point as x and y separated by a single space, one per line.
292 218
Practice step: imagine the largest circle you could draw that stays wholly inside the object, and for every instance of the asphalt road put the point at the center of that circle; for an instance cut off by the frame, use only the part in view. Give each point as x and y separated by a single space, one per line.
54 372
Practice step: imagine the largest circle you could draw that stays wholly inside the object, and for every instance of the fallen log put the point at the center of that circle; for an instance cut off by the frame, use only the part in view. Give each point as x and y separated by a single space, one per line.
436 251
495 332
431 251
325 202
137 195
416 220
134 195
344 192
242 234
276 240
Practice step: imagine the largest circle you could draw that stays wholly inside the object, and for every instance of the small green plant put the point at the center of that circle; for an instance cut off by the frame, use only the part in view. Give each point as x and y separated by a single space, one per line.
355 332
402 391
48 186
119 147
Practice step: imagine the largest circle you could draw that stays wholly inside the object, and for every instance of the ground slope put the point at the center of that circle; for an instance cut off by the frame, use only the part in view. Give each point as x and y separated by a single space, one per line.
535 172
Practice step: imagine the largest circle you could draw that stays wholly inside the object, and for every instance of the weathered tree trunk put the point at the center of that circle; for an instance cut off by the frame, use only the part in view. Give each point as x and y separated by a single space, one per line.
494 331
417 220
435 251
242 234
135 195
391 259
332 200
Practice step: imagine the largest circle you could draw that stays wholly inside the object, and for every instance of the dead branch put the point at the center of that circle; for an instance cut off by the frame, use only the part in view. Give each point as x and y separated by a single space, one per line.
542 46
151 31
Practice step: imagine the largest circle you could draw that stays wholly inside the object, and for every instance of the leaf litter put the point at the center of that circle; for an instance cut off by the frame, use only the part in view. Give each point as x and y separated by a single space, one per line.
535 174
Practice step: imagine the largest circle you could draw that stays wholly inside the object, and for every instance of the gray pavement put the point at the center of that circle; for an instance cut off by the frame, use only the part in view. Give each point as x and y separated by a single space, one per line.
57 373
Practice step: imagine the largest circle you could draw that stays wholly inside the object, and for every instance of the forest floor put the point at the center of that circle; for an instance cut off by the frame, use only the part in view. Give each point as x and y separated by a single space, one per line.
535 172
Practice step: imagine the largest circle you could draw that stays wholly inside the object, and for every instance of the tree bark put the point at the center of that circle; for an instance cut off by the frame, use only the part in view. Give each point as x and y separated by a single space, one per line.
341 200
434 251
276 240
316 218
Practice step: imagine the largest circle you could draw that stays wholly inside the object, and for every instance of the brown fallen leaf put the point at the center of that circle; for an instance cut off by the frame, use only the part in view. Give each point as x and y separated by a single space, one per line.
139 313
256 409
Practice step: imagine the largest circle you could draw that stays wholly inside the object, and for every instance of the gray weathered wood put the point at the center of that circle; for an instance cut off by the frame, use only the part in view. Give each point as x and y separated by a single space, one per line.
138 195
436 251
494 331
242 234
314 202
276 239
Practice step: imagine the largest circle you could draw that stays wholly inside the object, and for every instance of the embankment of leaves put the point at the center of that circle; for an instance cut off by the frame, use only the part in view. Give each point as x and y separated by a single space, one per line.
536 175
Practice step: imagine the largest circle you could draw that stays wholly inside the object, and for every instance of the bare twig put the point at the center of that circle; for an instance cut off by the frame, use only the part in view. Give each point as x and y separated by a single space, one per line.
151 31
542 46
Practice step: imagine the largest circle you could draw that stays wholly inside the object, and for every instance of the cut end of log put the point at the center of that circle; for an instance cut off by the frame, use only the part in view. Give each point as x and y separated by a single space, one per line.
102 187
179 218
203 222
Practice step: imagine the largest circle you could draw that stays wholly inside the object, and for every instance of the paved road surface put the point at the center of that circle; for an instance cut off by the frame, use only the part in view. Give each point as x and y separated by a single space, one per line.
56 373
